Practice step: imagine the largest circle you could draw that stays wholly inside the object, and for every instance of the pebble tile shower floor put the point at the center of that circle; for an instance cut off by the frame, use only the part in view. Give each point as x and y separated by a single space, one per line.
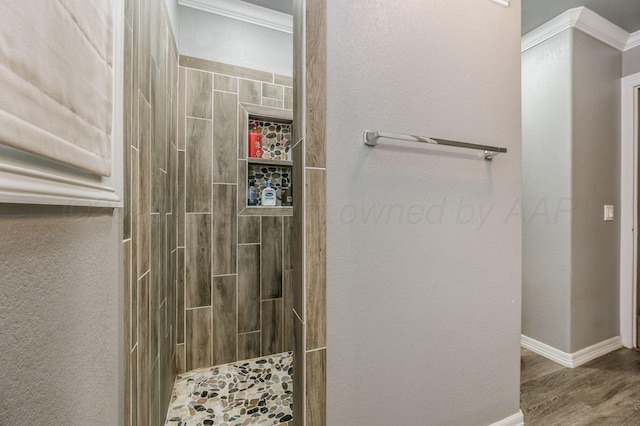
253 392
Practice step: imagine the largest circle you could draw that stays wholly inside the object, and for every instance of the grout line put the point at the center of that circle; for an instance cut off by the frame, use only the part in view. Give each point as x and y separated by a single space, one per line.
316 349
260 288
211 208
225 91
186 213
223 275
198 307
316 168
298 316
224 183
238 204
184 210
198 118
248 244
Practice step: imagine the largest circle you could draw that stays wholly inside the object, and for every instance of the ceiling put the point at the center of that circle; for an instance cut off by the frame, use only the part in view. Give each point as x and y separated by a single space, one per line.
284 6
623 13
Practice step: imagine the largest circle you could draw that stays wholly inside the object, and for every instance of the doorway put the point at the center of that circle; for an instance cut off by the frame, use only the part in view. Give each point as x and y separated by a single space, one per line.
629 209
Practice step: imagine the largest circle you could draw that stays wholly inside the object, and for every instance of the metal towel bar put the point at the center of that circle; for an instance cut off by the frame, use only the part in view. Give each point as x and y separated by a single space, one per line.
371 137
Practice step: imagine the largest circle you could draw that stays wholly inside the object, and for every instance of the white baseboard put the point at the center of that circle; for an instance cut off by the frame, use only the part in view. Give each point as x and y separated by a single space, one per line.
575 359
515 420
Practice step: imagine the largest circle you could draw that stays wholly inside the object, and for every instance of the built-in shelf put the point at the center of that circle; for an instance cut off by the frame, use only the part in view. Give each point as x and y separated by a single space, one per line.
276 168
268 162
267 211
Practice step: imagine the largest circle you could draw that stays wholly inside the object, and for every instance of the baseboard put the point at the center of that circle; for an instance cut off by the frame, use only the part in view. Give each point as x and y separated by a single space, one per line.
575 359
515 420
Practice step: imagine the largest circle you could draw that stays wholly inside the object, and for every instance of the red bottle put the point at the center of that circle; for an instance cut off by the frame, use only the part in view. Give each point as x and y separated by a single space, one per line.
255 142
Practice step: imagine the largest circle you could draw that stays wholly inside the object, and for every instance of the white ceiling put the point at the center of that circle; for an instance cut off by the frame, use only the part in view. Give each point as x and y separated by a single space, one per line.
623 13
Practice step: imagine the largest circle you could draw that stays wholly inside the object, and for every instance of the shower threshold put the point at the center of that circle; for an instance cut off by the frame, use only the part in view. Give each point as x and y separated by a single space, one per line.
258 391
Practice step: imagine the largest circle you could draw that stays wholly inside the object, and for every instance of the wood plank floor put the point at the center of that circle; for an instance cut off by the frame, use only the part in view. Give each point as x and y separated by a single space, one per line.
603 392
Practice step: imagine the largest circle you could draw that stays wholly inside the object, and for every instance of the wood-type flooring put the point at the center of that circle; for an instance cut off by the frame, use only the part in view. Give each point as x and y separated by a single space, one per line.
603 392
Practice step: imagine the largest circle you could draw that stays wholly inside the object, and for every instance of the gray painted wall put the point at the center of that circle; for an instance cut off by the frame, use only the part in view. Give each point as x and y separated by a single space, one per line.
424 243
60 316
546 189
221 39
571 169
631 61
595 244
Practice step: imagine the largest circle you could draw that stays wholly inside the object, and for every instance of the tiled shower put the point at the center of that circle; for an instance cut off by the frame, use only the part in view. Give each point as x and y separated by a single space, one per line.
209 280
234 264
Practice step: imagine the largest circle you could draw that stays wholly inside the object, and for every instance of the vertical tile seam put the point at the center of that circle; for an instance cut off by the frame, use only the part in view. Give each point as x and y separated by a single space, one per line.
237 247
211 204
184 210
260 289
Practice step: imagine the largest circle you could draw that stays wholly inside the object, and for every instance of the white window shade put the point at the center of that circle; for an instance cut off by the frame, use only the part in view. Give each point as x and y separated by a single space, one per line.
56 76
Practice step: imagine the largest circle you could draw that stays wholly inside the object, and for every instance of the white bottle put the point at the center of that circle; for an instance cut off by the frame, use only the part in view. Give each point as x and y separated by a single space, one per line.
268 196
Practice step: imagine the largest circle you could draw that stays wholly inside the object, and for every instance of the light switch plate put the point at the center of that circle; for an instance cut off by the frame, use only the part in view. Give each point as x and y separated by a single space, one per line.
608 212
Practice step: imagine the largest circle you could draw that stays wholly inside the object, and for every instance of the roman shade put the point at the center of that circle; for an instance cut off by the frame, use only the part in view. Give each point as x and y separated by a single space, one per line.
56 80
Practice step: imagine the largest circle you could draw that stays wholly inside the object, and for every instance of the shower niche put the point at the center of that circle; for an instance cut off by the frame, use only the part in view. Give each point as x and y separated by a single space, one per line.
275 166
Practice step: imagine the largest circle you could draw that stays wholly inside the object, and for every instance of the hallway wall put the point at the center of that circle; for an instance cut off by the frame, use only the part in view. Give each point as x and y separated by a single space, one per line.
59 316
546 188
571 169
595 181
423 242
631 61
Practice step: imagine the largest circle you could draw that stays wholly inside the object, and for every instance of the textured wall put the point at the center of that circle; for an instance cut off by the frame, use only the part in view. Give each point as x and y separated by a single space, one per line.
631 61
59 316
595 181
423 242
235 265
546 189
571 170
149 242
230 41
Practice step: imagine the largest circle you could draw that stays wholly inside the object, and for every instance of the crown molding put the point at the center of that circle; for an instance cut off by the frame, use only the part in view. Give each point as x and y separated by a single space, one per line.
586 21
634 40
243 11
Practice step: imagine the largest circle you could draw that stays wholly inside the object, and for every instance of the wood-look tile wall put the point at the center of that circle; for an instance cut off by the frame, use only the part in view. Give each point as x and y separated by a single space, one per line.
149 218
232 268
309 213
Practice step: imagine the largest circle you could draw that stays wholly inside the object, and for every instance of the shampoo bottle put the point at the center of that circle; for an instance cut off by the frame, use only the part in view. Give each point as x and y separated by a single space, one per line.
255 142
268 196
252 199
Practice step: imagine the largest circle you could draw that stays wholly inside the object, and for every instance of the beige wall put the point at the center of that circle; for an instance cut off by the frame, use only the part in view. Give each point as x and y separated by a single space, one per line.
235 264
60 316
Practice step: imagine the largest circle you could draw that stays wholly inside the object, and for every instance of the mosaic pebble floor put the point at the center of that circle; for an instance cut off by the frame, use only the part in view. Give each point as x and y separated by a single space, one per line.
253 392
